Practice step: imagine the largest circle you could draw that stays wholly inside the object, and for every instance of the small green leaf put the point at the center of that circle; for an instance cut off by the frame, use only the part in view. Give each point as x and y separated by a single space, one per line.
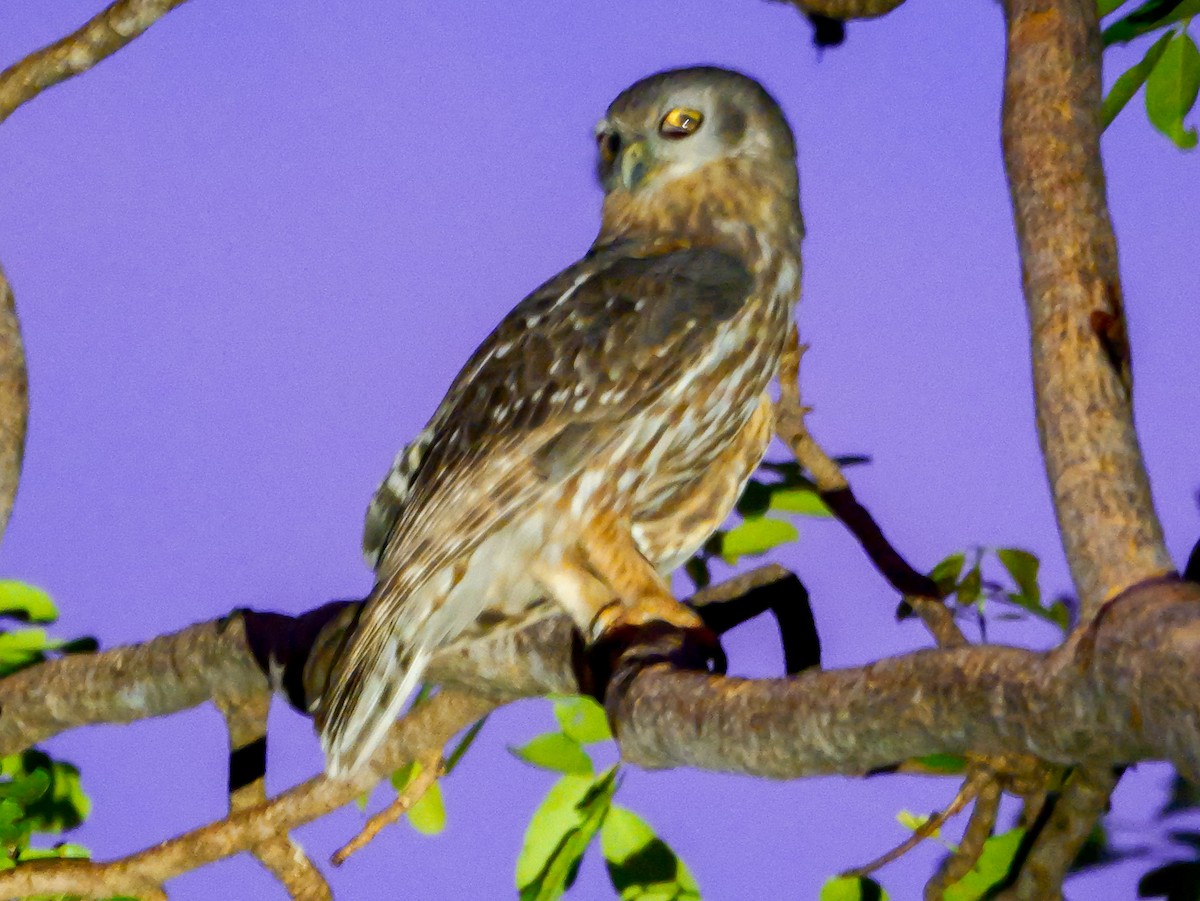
970 587
804 501
1171 90
913 821
1107 7
1060 614
641 865
852 888
26 602
464 745
948 764
1150 16
991 868
945 574
428 813
1130 81
559 832
1023 567
405 774
756 536
555 751
582 718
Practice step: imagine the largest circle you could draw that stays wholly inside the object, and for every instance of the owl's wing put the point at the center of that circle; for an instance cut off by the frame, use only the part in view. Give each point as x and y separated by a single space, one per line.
389 498
562 376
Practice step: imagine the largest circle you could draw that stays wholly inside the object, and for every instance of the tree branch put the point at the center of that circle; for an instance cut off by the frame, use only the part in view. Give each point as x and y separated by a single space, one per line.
100 37
1051 138
14 401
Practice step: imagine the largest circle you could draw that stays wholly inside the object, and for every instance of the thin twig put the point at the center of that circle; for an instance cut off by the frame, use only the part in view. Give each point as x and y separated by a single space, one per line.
246 720
921 591
967 854
969 789
100 37
431 766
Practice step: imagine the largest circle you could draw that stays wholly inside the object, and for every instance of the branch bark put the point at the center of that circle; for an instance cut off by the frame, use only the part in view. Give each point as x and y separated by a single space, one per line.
1051 140
14 401
99 38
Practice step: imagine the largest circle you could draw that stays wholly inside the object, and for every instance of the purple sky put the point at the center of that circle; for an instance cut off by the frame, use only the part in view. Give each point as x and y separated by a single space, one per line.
250 251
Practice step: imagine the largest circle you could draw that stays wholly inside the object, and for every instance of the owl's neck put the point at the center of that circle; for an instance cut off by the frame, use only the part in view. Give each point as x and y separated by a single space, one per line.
725 204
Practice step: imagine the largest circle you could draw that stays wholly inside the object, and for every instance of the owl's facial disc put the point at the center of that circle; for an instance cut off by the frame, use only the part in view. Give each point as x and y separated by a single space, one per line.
628 157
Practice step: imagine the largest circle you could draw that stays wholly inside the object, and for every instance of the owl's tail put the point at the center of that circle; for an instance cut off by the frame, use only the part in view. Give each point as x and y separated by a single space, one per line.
376 674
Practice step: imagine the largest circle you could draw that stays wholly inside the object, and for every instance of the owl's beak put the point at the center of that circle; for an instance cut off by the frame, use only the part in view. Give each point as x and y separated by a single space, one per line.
635 163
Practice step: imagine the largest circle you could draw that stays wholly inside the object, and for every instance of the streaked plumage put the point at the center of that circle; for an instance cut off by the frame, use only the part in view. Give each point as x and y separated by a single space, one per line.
605 428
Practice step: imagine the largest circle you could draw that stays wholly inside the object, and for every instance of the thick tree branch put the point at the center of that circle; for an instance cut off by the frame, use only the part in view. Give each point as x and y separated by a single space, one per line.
100 37
1051 137
1120 690
14 401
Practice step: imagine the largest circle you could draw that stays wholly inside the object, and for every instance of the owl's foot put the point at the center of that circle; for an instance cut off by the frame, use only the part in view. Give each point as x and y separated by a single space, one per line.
623 648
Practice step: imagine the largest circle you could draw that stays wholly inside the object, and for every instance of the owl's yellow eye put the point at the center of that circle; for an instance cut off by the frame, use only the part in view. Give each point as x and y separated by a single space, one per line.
680 122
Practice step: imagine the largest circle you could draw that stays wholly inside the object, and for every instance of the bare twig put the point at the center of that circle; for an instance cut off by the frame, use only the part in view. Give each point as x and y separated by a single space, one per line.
970 788
431 725
431 767
966 855
100 37
792 428
246 720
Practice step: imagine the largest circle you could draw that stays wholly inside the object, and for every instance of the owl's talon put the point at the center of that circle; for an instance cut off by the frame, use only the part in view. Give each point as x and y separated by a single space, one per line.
621 651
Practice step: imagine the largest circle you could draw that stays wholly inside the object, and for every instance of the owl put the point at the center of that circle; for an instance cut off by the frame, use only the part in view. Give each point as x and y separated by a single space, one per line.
606 427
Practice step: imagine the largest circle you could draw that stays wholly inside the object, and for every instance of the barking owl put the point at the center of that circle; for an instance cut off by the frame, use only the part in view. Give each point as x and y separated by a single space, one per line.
606 427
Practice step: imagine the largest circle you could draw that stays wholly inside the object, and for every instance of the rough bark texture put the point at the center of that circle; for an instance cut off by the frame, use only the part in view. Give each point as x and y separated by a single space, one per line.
14 401
100 37
1051 135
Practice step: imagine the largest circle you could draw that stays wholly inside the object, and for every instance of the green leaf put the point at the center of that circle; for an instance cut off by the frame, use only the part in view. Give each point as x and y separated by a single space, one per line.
641 865
582 718
559 832
464 745
852 888
970 587
756 536
1171 90
1150 16
1130 81
1023 567
991 868
428 814
26 603
555 751
1060 615
804 501
948 764
946 573
1107 7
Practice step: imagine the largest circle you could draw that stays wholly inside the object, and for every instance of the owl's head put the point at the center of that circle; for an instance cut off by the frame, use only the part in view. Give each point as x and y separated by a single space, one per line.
672 124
